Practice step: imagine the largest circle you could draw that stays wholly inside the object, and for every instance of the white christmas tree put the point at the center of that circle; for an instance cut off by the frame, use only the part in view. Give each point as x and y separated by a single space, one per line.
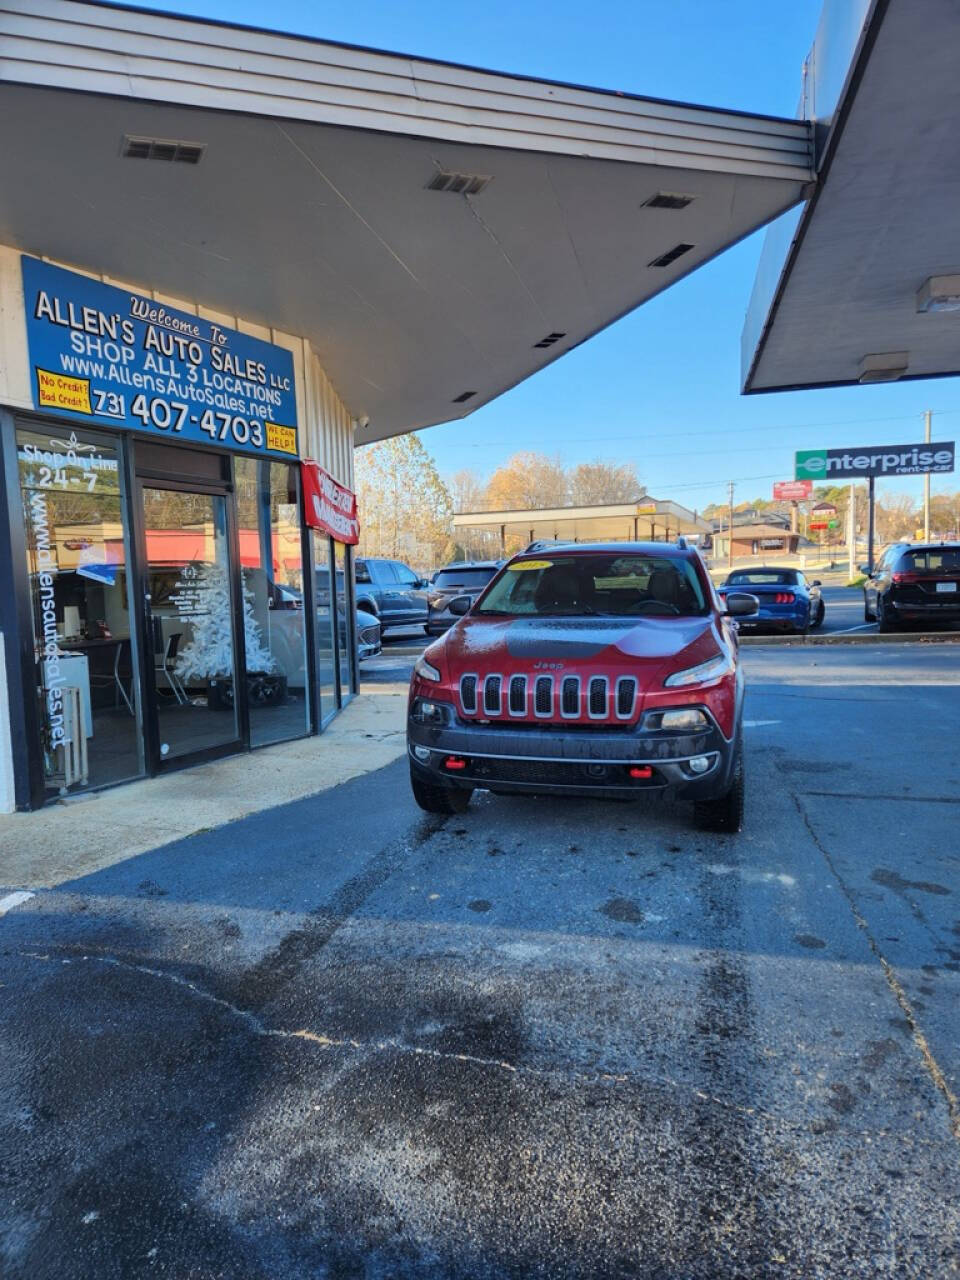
203 599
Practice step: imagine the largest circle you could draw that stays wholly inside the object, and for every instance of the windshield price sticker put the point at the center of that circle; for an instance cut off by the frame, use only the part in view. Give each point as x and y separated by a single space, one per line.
103 354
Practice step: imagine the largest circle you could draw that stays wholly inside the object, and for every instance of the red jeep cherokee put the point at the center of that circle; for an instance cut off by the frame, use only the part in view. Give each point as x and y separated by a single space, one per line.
604 670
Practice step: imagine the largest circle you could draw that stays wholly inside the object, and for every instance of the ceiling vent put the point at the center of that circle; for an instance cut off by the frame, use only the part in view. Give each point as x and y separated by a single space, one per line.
463 397
668 200
162 149
550 339
671 255
461 184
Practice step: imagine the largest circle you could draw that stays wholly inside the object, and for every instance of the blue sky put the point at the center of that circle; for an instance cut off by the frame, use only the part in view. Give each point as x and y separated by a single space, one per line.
659 388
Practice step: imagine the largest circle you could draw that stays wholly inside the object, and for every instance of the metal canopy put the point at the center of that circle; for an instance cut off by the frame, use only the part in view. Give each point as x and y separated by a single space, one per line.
883 219
618 522
310 208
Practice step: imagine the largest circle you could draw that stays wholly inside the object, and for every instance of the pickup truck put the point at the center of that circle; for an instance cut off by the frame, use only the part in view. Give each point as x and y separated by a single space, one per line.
392 592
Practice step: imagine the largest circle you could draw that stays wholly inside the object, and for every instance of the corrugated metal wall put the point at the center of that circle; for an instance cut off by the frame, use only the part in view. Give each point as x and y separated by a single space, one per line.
325 425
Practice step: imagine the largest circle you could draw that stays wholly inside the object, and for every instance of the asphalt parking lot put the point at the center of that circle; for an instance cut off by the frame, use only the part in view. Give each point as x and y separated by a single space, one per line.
542 1039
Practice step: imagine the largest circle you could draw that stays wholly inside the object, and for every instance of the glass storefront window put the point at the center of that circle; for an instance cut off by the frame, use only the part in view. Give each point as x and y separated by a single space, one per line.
343 561
190 615
77 561
271 568
328 625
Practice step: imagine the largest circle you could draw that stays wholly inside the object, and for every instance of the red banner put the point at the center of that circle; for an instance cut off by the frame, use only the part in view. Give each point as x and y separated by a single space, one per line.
327 505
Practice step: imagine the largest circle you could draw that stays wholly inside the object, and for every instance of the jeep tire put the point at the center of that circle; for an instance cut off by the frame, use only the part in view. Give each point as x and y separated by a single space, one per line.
433 799
725 814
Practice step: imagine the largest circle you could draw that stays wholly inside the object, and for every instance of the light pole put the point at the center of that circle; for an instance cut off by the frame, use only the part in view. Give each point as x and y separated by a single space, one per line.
926 481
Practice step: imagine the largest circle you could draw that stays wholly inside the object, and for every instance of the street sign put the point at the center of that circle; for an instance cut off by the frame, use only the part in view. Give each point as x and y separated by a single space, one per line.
823 511
646 509
874 460
822 524
792 490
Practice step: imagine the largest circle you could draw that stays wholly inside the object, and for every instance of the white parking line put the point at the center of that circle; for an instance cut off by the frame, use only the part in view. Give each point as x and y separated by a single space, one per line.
14 900
846 630
757 724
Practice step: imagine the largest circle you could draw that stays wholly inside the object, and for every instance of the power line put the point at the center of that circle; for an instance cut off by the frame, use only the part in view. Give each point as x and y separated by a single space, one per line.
712 431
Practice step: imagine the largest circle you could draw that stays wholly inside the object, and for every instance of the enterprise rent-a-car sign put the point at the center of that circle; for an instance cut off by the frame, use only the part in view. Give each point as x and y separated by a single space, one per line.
105 355
878 460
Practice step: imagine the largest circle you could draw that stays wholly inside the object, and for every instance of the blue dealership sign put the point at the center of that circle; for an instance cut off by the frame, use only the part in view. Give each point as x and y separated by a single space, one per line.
103 355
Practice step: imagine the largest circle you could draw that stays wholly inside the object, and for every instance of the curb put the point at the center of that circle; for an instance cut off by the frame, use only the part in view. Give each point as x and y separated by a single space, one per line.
874 637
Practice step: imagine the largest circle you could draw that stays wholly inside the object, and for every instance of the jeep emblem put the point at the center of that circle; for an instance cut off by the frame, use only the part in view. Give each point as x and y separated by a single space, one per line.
548 666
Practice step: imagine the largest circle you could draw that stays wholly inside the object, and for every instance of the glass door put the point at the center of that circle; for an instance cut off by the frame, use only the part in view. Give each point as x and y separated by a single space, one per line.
193 677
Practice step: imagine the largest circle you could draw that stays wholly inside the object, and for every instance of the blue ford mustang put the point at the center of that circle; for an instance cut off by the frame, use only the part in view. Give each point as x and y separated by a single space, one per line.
788 602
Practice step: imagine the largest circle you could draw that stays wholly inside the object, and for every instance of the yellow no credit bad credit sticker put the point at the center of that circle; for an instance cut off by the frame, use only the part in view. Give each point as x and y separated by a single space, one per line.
532 564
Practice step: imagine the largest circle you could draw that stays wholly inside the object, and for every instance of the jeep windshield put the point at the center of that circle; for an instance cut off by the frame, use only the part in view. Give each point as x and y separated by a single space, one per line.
610 585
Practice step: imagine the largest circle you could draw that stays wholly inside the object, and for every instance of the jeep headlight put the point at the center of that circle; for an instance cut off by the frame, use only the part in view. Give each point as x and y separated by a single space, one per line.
705 673
424 670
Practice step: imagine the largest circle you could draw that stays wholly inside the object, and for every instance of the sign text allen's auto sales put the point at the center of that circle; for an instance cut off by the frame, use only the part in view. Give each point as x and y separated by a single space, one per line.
877 461
100 354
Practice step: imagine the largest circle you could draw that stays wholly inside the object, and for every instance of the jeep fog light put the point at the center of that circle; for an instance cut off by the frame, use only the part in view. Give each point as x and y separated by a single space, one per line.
689 718
422 753
699 764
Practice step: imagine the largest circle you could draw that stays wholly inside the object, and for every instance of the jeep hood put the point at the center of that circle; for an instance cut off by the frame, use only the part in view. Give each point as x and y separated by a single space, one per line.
480 644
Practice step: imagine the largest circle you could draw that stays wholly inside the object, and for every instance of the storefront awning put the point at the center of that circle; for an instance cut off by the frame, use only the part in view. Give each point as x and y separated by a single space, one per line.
437 232
843 294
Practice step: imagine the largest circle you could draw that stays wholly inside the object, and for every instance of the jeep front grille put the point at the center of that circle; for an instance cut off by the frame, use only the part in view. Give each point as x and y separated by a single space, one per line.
543 696
491 695
570 697
626 697
597 698
531 697
468 694
518 695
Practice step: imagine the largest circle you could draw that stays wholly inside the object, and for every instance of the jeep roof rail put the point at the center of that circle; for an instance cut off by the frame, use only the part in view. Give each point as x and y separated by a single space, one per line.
682 542
541 544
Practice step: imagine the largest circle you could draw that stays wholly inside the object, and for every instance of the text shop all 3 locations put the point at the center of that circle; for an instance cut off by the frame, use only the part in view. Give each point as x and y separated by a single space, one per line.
102 354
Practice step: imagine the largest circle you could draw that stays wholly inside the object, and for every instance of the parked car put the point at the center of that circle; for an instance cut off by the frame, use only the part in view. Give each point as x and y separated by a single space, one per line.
367 625
609 670
368 635
466 579
788 602
392 592
913 582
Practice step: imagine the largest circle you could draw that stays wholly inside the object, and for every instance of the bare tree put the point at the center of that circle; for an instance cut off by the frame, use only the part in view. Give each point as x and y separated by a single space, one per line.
592 484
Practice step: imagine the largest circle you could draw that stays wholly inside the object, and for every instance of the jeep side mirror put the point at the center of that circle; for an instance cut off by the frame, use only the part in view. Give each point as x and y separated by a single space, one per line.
459 606
740 604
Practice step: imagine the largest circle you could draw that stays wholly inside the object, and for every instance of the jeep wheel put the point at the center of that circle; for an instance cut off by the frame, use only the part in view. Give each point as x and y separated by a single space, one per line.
439 799
726 812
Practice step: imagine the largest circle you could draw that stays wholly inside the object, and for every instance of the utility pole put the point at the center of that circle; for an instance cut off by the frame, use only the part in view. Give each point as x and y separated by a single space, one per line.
926 480
730 526
852 534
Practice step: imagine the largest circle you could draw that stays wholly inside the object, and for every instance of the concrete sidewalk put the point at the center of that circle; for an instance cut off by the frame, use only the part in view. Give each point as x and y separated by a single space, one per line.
87 832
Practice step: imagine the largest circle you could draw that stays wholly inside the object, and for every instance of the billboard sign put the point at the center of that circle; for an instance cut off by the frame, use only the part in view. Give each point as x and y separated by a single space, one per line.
792 490
874 461
105 356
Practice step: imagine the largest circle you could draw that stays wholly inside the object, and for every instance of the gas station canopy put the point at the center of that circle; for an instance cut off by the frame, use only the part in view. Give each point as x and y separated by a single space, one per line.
618 522
864 285
437 232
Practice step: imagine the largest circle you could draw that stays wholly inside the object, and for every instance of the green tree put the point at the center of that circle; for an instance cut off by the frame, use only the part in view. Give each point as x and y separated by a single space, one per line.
405 508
